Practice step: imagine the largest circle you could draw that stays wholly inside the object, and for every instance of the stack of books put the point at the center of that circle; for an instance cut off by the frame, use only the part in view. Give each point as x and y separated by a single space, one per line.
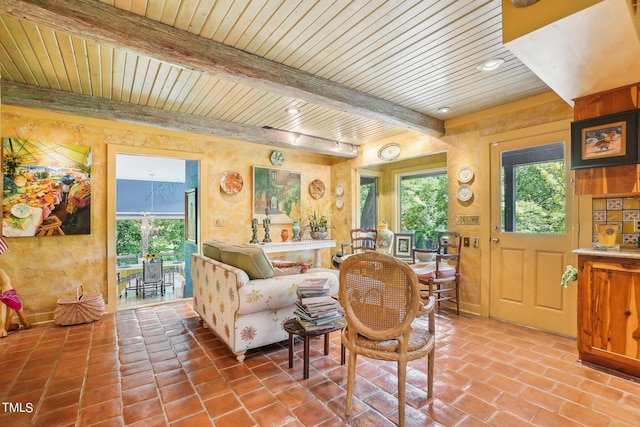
315 309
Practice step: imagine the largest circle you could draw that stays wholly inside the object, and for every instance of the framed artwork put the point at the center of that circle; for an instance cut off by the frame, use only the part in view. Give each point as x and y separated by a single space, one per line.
403 245
47 188
276 192
191 215
605 141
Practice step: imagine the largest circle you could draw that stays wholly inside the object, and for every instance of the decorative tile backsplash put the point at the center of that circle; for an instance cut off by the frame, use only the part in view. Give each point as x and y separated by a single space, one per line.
617 210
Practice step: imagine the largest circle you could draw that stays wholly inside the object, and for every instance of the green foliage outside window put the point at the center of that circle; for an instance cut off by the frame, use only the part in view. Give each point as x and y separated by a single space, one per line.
168 237
540 198
424 204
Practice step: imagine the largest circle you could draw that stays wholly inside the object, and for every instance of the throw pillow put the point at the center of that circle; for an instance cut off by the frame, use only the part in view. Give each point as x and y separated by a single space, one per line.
252 260
285 268
213 249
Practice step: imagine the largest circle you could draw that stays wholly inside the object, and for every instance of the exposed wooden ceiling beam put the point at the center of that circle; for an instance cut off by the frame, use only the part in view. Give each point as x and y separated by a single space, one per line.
69 103
105 24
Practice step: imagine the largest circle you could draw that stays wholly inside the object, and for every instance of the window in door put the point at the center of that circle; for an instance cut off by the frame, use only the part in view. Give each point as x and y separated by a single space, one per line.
424 205
533 189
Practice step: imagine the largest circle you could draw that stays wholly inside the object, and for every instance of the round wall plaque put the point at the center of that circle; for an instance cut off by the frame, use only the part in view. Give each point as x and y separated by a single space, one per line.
316 189
465 193
277 157
231 182
465 174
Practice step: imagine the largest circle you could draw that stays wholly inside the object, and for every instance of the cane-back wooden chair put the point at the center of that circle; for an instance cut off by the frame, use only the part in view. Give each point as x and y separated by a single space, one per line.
381 299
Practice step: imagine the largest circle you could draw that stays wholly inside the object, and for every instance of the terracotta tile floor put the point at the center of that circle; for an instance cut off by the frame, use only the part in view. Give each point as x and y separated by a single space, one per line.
156 366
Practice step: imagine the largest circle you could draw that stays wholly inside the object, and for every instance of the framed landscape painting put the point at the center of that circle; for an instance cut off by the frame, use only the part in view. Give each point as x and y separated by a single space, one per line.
276 192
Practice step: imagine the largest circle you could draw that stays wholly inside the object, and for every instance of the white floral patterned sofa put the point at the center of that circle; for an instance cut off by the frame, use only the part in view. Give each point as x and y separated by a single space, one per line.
241 296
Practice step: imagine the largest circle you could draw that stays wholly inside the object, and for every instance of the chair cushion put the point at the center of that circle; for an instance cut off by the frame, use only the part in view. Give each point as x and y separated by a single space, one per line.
252 260
418 338
427 270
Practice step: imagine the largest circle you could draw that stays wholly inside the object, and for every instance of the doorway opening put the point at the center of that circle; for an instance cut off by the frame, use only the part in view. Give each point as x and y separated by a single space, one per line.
368 202
150 214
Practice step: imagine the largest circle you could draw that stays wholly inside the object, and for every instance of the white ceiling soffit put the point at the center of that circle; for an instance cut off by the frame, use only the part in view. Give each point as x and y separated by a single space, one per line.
556 52
146 168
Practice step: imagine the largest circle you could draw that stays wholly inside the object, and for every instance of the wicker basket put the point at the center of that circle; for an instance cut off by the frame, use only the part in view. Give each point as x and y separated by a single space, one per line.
82 308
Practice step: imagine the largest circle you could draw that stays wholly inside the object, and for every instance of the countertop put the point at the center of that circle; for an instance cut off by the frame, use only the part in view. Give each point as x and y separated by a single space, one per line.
625 251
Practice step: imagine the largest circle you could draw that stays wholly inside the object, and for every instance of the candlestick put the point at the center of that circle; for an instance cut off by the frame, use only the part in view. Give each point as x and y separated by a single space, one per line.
254 231
265 223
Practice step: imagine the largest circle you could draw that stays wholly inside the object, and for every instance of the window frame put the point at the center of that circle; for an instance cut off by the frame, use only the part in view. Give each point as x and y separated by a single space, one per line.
419 172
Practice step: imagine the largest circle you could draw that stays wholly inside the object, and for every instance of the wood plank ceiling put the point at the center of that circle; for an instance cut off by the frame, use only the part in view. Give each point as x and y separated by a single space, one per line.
359 71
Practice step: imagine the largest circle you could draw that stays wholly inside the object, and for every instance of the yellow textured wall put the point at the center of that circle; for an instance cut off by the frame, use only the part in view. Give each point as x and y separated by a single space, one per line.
461 142
45 268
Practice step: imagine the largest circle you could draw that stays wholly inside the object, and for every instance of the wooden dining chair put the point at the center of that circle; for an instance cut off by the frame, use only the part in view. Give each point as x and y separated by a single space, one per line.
441 277
362 240
381 299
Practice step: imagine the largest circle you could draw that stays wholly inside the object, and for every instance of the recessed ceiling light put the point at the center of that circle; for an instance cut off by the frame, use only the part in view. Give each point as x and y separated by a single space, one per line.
444 110
490 64
292 110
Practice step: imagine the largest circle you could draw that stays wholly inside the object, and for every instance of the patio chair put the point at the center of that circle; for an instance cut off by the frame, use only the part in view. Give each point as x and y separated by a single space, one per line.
152 276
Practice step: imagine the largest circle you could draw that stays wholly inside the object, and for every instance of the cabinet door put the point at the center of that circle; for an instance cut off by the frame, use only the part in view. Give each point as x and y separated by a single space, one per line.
614 298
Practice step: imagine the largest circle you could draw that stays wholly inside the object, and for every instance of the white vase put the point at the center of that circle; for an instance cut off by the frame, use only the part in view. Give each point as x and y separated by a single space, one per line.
385 239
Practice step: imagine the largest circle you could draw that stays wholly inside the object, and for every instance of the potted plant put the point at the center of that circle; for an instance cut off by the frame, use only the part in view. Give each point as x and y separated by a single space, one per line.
318 224
318 218
569 275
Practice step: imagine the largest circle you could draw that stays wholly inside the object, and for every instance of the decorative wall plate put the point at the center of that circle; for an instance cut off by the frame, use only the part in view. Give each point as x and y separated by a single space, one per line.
339 202
277 157
465 174
231 182
339 190
316 189
465 193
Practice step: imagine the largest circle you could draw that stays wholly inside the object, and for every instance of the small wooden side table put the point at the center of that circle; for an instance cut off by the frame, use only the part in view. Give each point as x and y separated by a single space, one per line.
294 328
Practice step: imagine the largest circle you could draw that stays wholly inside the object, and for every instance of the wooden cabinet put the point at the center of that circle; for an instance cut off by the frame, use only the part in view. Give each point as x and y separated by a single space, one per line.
622 179
611 179
608 312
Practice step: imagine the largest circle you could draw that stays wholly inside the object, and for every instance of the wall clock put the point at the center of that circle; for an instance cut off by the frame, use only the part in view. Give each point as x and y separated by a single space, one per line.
389 152
277 158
